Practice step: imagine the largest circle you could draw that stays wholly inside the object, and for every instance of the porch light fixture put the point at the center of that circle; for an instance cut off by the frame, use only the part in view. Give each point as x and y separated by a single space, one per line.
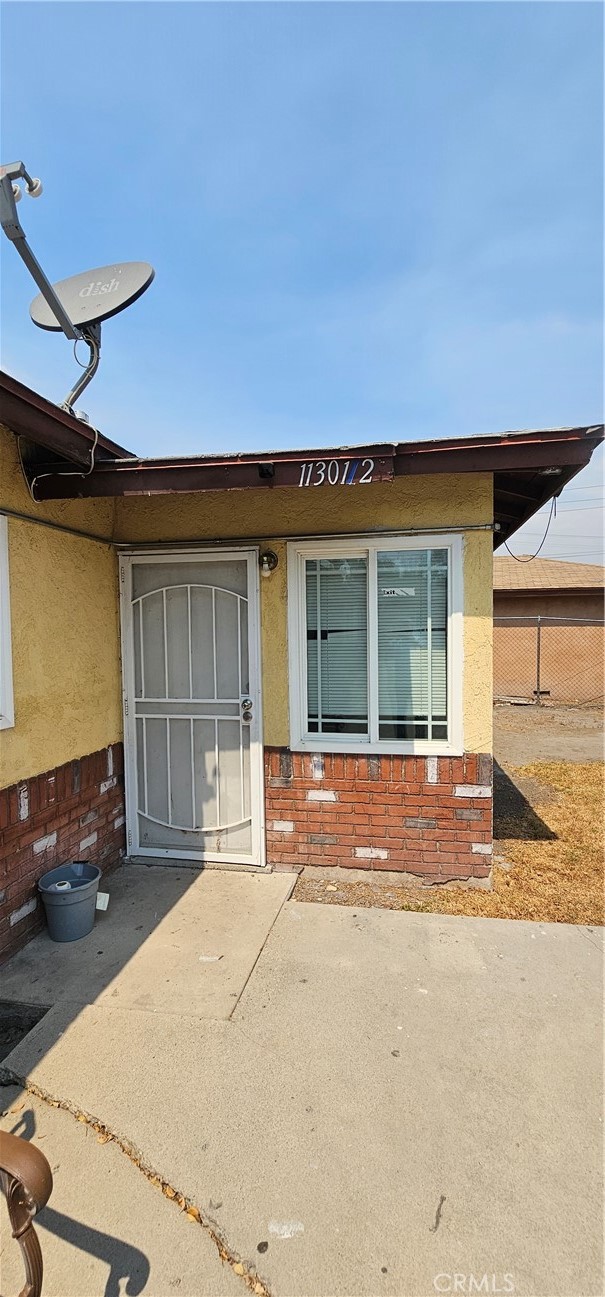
268 562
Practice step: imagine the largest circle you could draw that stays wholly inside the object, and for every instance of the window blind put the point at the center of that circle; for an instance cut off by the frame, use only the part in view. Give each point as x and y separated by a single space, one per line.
337 645
402 649
412 640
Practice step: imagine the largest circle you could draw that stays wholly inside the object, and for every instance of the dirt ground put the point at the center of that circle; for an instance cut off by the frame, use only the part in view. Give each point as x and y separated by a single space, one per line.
16 1020
548 822
526 734
548 855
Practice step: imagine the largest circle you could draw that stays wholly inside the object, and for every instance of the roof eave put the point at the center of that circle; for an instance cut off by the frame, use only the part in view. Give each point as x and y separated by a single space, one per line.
564 451
528 467
526 590
29 415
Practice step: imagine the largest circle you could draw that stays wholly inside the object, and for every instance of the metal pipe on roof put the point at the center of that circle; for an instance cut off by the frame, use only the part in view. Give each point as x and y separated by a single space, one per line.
55 526
123 545
136 546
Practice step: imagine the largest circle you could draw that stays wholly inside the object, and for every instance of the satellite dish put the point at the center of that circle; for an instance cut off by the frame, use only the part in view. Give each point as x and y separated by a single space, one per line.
95 295
75 306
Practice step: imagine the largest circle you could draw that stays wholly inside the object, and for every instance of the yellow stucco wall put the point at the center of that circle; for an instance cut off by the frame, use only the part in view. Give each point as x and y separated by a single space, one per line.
437 502
478 642
64 595
88 515
65 631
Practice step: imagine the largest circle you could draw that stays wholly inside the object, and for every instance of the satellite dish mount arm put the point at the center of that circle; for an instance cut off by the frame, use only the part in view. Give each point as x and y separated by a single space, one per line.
91 333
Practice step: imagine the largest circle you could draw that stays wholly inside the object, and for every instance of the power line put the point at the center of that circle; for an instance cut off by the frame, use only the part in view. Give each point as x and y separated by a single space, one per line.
568 553
577 534
596 543
581 553
573 507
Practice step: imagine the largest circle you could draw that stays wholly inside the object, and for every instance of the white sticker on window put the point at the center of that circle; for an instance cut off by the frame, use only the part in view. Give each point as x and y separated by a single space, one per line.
392 591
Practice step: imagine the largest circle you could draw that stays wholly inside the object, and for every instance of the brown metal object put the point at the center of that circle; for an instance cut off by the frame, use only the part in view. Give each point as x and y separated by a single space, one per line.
533 453
528 468
165 477
26 1181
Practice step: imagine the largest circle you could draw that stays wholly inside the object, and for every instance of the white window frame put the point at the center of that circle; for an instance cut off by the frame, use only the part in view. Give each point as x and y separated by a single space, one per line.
360 547
7 707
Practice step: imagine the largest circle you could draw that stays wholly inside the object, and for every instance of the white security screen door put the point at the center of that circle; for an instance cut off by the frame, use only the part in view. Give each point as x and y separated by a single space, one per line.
192 706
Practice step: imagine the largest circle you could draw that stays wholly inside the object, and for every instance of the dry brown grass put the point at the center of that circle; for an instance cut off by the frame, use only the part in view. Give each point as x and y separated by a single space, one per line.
551 880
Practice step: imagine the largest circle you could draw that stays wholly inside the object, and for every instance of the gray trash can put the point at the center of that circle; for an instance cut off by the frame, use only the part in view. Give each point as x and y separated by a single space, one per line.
69 894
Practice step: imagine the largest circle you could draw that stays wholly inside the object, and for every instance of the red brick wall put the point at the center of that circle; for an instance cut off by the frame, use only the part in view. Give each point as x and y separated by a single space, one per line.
75 812
429 816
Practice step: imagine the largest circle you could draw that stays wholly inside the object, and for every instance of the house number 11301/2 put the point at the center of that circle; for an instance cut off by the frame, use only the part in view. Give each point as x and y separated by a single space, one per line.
332 472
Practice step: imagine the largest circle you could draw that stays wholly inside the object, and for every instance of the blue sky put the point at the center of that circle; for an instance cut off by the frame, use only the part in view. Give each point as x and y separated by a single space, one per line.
368 221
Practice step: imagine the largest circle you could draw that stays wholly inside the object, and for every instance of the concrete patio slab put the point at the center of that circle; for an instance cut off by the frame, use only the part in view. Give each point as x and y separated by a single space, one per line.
105 1225
175 940
397 1097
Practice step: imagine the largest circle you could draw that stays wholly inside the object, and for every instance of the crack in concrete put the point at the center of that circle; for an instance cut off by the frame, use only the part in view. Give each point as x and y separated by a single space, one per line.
581 930
267 935
105 1136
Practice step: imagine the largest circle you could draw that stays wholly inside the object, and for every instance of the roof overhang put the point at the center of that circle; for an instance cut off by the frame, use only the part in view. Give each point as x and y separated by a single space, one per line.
528 468
527 592
32 417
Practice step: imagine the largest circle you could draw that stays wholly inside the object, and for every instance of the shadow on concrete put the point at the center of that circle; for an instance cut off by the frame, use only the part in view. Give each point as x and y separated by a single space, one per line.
25 1125
16 1020
514 814
124 1260
173 940
71 974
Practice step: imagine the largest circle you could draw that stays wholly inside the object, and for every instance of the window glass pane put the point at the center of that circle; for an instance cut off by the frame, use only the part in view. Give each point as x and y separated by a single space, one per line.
412 643
337 646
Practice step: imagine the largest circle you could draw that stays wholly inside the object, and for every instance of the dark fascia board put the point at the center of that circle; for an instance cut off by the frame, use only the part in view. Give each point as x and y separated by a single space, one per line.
32 416
564 450
527 591
165 477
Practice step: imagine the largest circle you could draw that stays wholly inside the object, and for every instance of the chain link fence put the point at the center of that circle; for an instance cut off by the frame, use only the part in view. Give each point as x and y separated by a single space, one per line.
556 660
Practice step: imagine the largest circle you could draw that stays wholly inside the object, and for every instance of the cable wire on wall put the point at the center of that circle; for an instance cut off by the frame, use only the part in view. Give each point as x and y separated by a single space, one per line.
69 472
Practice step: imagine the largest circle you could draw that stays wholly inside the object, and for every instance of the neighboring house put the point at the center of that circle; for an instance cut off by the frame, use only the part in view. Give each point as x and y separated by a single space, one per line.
293 650
548 629
547 587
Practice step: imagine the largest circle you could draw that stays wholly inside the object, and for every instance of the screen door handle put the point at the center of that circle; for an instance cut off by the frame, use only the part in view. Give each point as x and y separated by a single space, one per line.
247 708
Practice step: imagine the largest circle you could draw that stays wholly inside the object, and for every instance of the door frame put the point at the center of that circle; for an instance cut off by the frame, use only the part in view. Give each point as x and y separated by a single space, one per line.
127 558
